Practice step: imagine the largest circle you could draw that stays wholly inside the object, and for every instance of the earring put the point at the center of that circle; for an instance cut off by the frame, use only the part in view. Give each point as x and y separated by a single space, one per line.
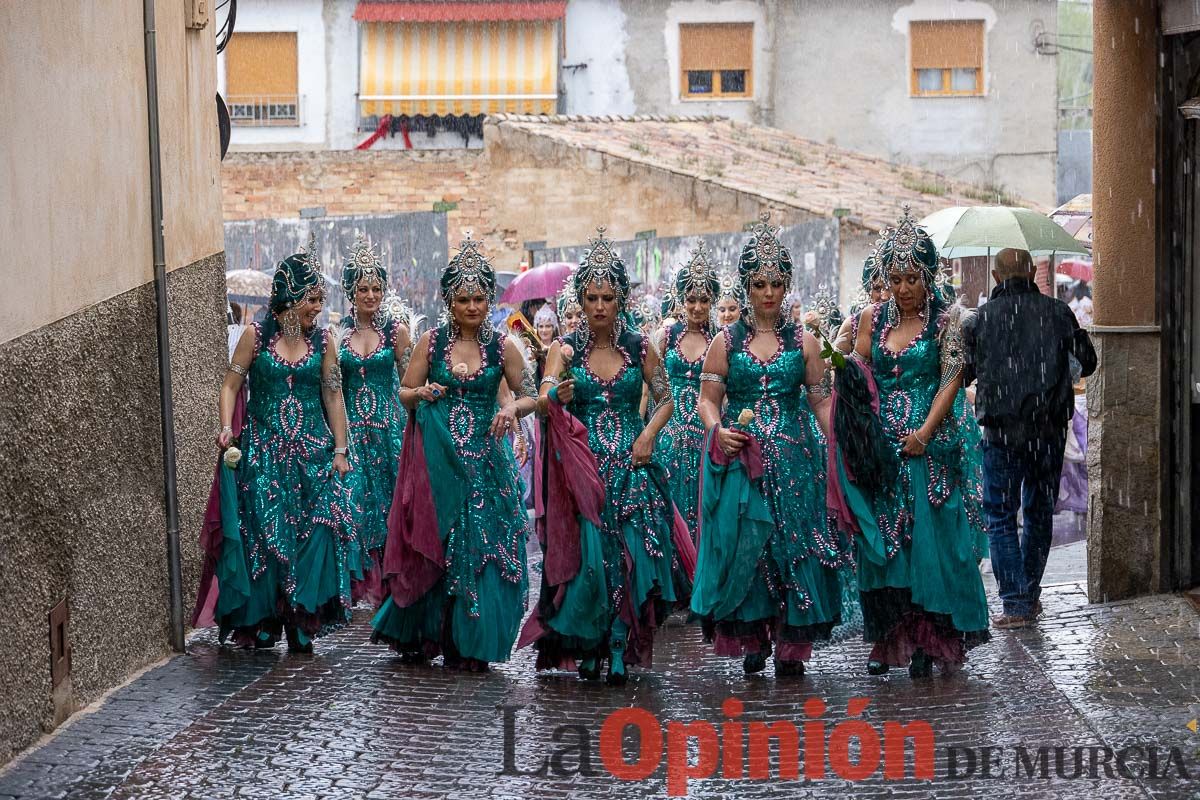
290 325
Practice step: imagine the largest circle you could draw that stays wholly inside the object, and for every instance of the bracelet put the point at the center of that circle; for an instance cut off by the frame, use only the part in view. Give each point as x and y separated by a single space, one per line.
341 451
238 368
226 429
712 377
918 437
550 379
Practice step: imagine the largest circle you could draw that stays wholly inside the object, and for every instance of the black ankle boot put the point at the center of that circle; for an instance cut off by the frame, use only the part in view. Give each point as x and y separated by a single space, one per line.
921 666
754 662
589 669
789 669
297 642
877 667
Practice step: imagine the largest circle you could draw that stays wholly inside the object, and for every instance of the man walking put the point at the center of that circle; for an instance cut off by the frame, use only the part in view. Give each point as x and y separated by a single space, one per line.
1019 347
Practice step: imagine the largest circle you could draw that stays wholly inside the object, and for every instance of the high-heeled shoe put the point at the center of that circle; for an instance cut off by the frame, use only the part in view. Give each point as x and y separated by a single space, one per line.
921 665
298 642
589 669
616 668
877 667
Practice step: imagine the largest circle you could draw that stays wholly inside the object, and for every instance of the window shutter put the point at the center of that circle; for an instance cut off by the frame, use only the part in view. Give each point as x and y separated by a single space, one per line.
946 44
261 64
715 46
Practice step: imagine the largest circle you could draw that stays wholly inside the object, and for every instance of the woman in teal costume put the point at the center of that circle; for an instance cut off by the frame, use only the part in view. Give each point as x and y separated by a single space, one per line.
286 564
683 346
373 353
909 468
470 607
621 585
769 561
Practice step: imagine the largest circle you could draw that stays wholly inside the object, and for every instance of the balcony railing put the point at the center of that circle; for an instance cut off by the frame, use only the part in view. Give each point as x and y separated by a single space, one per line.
265 110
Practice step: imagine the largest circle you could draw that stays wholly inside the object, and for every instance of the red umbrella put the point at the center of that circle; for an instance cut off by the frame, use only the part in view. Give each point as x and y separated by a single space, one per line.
539 283
1079 270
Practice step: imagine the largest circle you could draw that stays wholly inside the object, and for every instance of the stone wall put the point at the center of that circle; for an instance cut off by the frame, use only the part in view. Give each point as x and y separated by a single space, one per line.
82 513
521 187
1124 501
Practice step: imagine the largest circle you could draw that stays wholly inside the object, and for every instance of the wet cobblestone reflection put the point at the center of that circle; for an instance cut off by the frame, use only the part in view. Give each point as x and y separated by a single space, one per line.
351 721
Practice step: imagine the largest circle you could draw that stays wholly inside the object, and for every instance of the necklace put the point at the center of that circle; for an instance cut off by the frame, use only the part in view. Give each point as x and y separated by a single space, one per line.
918 315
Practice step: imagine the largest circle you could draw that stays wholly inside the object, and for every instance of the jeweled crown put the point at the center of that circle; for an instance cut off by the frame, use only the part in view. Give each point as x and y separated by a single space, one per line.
469 270
601 264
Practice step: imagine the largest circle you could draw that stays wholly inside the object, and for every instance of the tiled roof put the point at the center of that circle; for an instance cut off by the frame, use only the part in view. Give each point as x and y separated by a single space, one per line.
783 168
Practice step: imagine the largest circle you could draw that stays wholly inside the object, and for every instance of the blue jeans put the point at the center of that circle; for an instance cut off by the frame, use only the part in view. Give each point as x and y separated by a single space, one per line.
1023 475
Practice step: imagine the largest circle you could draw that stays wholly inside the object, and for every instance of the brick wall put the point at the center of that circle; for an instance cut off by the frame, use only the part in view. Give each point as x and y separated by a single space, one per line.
278 185
520 187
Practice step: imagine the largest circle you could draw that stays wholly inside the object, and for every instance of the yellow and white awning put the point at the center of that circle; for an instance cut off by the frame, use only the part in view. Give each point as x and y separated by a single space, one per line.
458 67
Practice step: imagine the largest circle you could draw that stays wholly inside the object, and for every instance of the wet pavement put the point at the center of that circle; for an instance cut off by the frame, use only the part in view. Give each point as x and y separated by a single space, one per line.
351 721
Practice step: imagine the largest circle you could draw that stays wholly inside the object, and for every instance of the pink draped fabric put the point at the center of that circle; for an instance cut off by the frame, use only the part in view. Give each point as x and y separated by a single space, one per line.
413 559
750 455
684 547
211 534
573 489
915 631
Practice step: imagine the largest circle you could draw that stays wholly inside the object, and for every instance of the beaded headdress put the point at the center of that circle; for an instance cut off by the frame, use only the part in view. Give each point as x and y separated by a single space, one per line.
363 265
824 304
568 303
602 265
731 288
468 271
764 256
697 276
908 248
648 312
297 276
395 307
668 305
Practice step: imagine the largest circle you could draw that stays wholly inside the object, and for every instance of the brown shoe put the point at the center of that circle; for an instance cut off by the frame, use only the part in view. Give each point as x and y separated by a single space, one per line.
1010 622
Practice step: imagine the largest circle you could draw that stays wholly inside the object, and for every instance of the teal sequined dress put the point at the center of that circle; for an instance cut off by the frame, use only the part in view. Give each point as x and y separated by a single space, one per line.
375 422
681 442
297 521
920 545
795 592
636 554
475 609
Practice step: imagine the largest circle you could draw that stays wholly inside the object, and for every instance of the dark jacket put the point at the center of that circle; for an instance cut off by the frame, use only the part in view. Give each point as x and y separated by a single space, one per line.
1018 347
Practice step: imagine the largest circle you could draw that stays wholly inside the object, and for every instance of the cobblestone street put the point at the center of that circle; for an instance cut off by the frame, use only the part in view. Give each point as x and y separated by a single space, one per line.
351 721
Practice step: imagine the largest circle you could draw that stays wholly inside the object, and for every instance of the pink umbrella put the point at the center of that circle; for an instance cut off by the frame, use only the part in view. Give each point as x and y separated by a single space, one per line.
539 283
1079 270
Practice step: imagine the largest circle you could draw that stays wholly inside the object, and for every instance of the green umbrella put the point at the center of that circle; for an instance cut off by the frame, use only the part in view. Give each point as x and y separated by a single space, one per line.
965 231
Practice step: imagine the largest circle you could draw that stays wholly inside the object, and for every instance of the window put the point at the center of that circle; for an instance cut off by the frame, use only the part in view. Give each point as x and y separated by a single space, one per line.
947 58
716 60
261 79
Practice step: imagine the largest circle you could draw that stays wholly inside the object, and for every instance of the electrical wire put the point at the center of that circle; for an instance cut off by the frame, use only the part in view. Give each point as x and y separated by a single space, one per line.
226 29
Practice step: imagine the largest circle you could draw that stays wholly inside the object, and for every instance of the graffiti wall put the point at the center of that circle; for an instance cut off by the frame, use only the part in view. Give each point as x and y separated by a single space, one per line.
651 261
412 246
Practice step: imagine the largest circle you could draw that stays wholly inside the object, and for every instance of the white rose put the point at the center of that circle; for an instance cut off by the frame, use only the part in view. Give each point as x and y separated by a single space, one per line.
232 457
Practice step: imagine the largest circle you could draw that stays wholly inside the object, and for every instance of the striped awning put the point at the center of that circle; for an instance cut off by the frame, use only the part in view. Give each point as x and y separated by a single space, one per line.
443 11
458 68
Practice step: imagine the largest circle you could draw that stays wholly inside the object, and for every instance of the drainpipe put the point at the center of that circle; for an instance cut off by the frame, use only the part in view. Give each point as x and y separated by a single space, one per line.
166 406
